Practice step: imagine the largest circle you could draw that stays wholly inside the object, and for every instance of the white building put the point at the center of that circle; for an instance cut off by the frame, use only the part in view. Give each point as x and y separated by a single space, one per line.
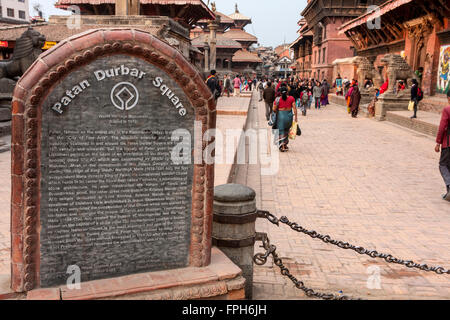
14 11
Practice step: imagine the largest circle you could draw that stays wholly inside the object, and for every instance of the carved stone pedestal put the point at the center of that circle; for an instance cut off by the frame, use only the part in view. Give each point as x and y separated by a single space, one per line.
221 280
390 102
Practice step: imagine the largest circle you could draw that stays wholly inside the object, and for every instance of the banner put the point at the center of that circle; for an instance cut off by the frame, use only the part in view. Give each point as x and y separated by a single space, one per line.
443 72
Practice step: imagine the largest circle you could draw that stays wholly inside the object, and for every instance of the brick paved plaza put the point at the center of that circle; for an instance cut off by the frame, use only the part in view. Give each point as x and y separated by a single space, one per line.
370 183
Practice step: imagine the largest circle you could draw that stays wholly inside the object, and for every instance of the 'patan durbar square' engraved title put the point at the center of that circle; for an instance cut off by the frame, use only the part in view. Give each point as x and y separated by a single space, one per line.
101 75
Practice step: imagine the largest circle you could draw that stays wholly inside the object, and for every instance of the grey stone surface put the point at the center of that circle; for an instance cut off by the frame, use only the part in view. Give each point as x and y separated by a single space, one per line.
233 193
112 200
234 208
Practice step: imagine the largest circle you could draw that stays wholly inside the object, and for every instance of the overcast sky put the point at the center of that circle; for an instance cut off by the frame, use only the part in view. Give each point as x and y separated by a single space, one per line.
273 20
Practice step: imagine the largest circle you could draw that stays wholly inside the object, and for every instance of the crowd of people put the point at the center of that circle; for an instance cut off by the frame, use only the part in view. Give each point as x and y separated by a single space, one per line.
237 85
283 97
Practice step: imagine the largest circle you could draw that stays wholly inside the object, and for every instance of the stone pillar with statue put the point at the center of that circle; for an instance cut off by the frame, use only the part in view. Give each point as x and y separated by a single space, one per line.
27 50
396 68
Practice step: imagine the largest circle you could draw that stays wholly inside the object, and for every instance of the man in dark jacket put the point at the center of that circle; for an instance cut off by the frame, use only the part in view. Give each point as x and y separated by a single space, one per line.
213 84
414 96
443 138
269 99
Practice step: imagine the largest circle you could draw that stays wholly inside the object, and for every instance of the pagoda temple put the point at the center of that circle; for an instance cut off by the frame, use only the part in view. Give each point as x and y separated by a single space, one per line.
170 20
233 44
319 42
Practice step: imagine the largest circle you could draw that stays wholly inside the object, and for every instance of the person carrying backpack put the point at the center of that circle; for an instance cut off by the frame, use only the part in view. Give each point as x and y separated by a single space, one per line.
416 96
443 139
261 90
304 100
213 84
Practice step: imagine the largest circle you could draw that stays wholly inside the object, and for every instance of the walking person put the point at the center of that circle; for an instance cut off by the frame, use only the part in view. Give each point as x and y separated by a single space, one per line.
443 146
348 95
261 90
355 99
304 100
317 93
325 92
286 113
213 84
414 96
227 85
237 86
338 83
269 98
310 95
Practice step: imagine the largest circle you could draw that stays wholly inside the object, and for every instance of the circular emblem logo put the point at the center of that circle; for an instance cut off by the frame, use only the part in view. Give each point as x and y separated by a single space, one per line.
124 96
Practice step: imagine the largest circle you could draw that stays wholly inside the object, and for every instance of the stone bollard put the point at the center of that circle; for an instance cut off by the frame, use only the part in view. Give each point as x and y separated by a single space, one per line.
234 227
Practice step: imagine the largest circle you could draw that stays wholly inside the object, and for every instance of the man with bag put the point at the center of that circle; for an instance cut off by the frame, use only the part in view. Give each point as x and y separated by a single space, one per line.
416 97
269 99
213 84
443 139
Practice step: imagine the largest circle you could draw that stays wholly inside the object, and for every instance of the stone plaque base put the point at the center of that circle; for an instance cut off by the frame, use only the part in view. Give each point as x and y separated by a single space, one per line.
220 280
390 102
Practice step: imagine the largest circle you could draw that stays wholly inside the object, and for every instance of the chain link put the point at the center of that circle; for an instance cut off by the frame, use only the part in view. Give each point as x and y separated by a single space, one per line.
347 246
271 250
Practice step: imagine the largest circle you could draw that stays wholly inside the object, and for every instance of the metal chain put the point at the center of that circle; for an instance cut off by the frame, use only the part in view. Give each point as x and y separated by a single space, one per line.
261 259
347 246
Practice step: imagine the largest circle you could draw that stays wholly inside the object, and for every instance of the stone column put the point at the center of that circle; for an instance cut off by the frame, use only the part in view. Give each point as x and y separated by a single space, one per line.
234 227
213 45
206 52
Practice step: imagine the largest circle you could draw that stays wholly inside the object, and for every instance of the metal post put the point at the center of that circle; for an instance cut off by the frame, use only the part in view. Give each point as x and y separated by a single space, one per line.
234 227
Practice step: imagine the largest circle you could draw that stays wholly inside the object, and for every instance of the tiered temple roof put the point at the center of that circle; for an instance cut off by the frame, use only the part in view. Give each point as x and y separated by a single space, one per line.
240 36
222 41
187 12
231 36
225 22
246 56
239 19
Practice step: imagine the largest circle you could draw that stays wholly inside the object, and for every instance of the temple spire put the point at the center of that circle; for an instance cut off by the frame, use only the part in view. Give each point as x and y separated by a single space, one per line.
236 8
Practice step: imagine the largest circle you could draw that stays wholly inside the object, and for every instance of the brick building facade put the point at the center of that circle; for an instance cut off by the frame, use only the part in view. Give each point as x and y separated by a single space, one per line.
319 42
418 30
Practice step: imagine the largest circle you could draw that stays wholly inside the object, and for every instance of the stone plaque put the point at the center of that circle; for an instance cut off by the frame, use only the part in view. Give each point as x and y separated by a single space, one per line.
113 202
110 185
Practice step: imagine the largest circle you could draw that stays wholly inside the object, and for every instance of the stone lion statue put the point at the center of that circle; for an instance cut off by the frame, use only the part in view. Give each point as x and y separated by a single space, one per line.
366 70
397 69
27 50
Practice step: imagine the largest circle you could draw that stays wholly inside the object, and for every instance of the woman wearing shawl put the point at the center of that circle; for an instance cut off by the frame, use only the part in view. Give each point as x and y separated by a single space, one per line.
348 95
325 91
355 99
286 111
338 84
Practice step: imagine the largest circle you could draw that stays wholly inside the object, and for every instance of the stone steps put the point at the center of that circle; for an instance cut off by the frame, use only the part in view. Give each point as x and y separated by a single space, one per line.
434 104
5 128
427 122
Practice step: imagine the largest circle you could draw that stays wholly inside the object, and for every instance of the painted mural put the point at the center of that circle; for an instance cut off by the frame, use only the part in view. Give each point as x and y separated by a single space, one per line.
443 73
